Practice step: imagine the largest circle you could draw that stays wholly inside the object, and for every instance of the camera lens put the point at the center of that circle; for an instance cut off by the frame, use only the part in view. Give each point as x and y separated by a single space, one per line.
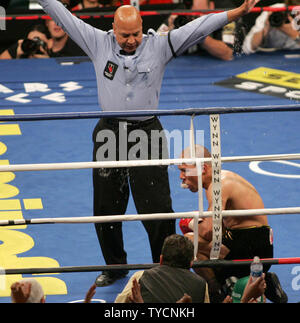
29 46
277 19
32 46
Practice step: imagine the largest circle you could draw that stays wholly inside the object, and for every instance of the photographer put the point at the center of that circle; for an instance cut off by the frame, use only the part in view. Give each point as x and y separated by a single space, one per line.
274 30
210 45
62 44
36 44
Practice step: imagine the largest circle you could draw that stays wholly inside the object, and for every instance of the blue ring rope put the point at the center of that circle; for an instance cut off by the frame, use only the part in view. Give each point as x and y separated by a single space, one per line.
145 113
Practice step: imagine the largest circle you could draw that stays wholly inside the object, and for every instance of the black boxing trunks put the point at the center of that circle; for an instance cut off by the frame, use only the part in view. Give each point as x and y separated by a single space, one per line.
246 243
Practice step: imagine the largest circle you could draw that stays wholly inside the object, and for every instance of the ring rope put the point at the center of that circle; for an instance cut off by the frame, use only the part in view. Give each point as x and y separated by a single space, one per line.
147 217
145 113
110 14
140 163
196 264
217 211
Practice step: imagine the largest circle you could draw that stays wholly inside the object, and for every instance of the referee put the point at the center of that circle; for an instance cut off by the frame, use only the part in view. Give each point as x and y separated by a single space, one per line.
129 68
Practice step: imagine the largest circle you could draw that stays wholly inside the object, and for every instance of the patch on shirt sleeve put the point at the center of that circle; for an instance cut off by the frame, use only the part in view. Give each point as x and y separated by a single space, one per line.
110 70
163 33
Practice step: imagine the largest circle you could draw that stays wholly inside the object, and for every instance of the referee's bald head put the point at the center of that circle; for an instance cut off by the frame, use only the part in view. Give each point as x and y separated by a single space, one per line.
128 28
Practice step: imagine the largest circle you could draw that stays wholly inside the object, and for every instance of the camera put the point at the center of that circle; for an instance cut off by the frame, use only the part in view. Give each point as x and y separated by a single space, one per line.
278 18
32 46
229 285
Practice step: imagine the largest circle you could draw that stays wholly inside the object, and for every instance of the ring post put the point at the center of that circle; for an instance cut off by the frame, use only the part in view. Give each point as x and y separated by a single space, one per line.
216 185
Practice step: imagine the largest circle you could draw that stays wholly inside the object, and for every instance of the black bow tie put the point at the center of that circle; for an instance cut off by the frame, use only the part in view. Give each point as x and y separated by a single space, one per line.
122 52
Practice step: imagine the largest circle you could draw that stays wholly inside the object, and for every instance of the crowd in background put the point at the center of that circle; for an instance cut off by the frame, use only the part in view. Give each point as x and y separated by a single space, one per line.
266 31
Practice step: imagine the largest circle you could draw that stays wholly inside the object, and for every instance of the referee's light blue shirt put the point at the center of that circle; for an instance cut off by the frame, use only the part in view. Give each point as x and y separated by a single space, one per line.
134 82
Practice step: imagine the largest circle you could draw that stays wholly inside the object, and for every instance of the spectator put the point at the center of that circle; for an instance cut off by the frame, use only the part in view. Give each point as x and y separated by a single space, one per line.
210 4
136 296
246 290
53 40
36 44
168 282
232 35
210 45
86 4
62 44
274 31
108 3
165 283
27 290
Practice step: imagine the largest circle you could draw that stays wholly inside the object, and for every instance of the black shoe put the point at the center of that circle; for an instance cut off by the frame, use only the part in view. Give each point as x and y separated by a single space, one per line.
274 291
106 279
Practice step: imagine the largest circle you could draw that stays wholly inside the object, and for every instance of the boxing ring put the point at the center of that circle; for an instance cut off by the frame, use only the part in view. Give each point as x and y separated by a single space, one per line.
48 111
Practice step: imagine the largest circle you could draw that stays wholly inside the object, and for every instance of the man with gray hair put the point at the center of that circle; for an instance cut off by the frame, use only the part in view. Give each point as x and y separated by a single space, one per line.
27 290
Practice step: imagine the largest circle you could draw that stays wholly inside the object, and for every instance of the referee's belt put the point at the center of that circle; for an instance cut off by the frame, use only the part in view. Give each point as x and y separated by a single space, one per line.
130 123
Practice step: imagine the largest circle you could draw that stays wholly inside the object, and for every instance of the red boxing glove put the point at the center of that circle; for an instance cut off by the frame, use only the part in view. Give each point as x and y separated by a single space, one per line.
184 225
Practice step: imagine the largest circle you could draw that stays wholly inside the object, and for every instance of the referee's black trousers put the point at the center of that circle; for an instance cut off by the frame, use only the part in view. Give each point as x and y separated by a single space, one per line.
149 186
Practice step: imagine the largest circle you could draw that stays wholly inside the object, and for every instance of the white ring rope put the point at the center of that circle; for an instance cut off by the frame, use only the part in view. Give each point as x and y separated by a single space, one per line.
138 163
154 216
217 213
